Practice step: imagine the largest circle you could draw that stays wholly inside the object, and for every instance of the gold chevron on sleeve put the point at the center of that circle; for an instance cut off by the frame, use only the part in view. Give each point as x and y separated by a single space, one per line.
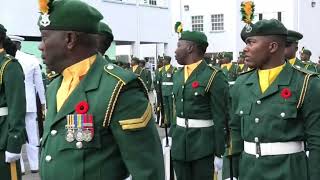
137 122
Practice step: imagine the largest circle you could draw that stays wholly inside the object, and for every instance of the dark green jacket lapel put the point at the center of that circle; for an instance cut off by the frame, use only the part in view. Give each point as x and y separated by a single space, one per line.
51 96
283 79
253 82
90 82
195 72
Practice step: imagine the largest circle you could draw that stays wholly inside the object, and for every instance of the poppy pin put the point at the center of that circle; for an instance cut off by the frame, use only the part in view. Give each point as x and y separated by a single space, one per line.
82 107
195 84
286 93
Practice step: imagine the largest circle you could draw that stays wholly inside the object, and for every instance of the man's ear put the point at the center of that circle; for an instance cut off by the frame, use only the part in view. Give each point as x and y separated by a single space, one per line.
190 48
72 39
273 47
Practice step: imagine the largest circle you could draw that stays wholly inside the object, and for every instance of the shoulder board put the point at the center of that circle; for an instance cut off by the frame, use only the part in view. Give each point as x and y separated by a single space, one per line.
53 76
304 70
214 67
119 73
8 57
247 71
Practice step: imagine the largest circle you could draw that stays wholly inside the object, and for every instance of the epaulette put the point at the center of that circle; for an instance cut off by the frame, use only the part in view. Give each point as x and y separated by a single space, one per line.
214 67
304 70
247 71
119 73
7 58
213 74
53 76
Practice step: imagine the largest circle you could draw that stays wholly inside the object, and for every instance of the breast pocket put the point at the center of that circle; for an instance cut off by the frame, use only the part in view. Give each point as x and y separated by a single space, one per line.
287 111
243 110
199 91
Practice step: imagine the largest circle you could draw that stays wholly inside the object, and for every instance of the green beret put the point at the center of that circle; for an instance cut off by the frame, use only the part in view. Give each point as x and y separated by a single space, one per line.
70 15
264 28
167 58
2 29
135 59
228 55
194 36
294 36
104 29
307 52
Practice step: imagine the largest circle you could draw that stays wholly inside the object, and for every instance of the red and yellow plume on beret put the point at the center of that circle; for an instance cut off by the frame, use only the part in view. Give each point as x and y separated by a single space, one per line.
247 12
44 6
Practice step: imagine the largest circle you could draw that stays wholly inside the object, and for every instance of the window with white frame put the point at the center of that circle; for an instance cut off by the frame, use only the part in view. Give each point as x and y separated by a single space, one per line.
217 21
197 23
153 2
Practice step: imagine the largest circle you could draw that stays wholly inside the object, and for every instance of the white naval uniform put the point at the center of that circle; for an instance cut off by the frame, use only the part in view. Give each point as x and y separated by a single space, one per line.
33 84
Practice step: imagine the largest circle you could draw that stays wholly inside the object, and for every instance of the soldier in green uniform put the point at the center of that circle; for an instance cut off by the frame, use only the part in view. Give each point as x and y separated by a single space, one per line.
292 48
148 78
12 113
276 113
166 76
305 58
99 120
201 100
104 39
157 87
229 68
141 72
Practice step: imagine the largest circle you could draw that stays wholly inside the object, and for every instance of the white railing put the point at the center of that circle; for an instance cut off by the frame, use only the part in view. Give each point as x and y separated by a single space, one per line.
149 3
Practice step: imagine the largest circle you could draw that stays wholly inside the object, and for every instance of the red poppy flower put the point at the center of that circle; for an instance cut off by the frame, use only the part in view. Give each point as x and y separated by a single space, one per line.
195 84
286 93
82 107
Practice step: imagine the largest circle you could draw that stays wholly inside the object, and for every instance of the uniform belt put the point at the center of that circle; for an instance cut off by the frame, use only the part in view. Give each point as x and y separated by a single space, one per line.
194 123
275 148
167 83
3 111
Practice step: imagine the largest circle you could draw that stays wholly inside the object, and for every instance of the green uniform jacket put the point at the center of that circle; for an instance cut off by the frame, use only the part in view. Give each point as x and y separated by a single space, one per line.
268 118
167 76
125 141
148 79
208 101
311 66
12 95
143 74
233 72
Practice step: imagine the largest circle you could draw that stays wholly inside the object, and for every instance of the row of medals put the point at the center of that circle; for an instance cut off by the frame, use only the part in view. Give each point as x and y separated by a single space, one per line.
79 135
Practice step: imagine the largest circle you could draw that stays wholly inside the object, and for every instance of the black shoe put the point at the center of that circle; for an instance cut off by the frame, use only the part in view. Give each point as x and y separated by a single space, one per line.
23 173
34 171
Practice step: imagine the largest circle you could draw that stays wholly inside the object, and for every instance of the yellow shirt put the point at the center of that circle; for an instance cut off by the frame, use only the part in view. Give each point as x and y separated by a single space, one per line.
188 69
134 68
1 50
266 77
226 65
167 67
241 66
292 61
71 78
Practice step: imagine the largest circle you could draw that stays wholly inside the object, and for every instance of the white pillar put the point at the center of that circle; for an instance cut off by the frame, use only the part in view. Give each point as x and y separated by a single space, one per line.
136 46
237 30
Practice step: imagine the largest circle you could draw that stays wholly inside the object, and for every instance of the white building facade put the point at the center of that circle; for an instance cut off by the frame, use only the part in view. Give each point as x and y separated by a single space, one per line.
221 21
134 23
